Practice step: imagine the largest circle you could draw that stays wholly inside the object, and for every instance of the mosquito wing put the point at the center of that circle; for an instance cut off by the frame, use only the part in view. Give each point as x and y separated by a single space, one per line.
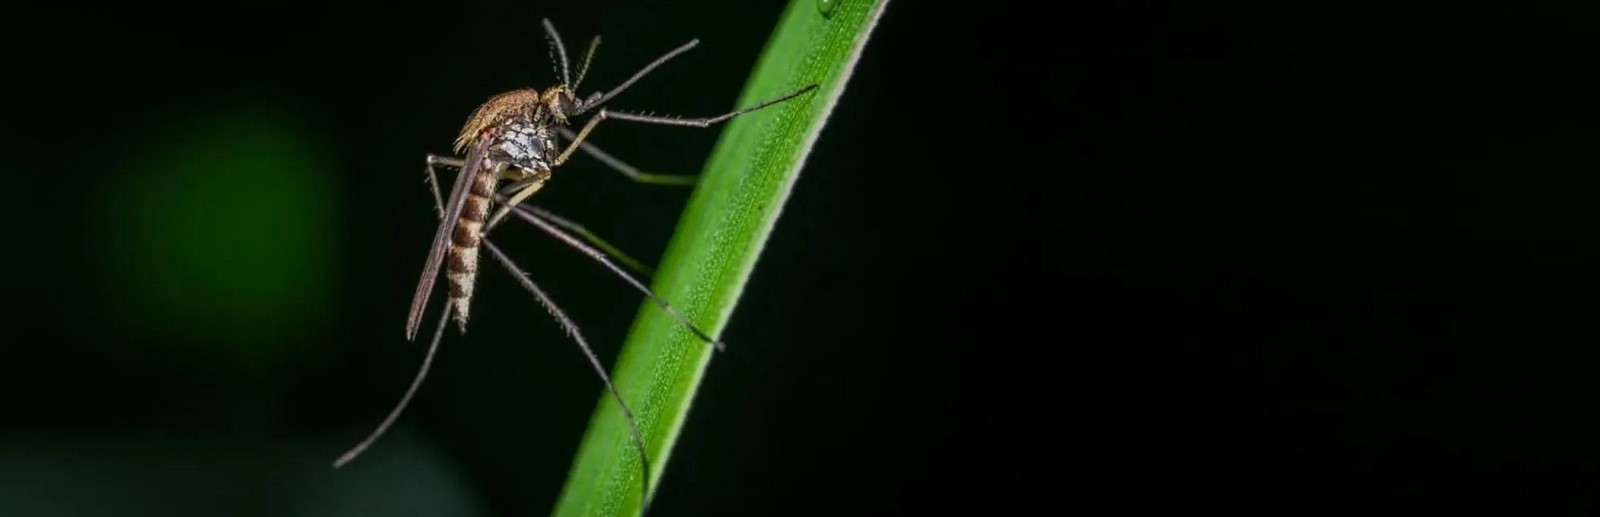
441 236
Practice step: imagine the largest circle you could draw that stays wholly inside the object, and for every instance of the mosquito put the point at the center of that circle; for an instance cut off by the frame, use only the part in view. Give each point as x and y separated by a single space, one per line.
514 137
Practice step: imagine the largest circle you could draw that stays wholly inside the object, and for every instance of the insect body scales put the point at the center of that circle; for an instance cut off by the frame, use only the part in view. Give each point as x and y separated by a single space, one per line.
465 238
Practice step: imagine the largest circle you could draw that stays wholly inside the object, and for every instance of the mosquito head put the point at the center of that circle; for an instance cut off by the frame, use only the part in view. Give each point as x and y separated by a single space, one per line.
559 102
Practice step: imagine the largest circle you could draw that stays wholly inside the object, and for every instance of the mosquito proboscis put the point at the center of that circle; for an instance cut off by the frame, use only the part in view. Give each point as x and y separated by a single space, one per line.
515 137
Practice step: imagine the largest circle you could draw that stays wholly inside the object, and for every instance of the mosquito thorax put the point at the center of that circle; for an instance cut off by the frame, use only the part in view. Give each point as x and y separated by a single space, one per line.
525 144
491 118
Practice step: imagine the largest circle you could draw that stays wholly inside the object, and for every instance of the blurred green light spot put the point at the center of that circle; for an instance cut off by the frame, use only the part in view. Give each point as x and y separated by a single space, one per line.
227 225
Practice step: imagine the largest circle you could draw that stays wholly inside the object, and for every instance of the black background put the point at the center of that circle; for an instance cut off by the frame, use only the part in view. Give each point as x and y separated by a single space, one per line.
1099 258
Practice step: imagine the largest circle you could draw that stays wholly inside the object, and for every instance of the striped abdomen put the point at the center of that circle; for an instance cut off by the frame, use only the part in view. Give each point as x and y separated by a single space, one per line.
462 264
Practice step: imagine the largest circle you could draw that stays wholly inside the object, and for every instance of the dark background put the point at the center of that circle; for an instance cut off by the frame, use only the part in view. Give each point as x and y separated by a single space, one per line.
1089 259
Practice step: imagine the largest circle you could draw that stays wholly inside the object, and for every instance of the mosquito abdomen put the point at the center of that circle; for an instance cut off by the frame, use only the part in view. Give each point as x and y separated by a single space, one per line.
465 239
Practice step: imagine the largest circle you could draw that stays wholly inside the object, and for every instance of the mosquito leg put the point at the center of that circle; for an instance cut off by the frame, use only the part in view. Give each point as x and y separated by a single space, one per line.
513 192
598 98
433 180
573 227
707 121
594 240
422 373
433 347
518 192
566 325
595 254
447 161
572 331
630 171
669 121
561 318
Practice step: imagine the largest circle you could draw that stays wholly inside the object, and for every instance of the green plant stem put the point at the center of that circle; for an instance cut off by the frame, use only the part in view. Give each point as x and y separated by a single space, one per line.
728 219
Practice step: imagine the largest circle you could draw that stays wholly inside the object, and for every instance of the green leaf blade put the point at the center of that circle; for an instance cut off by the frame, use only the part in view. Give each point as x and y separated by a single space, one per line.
715 248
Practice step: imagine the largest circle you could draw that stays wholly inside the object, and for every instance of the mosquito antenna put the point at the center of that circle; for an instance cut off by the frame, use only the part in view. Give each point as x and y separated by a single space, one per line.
559 50
422 373
600 98
572 331
584 68
601 258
